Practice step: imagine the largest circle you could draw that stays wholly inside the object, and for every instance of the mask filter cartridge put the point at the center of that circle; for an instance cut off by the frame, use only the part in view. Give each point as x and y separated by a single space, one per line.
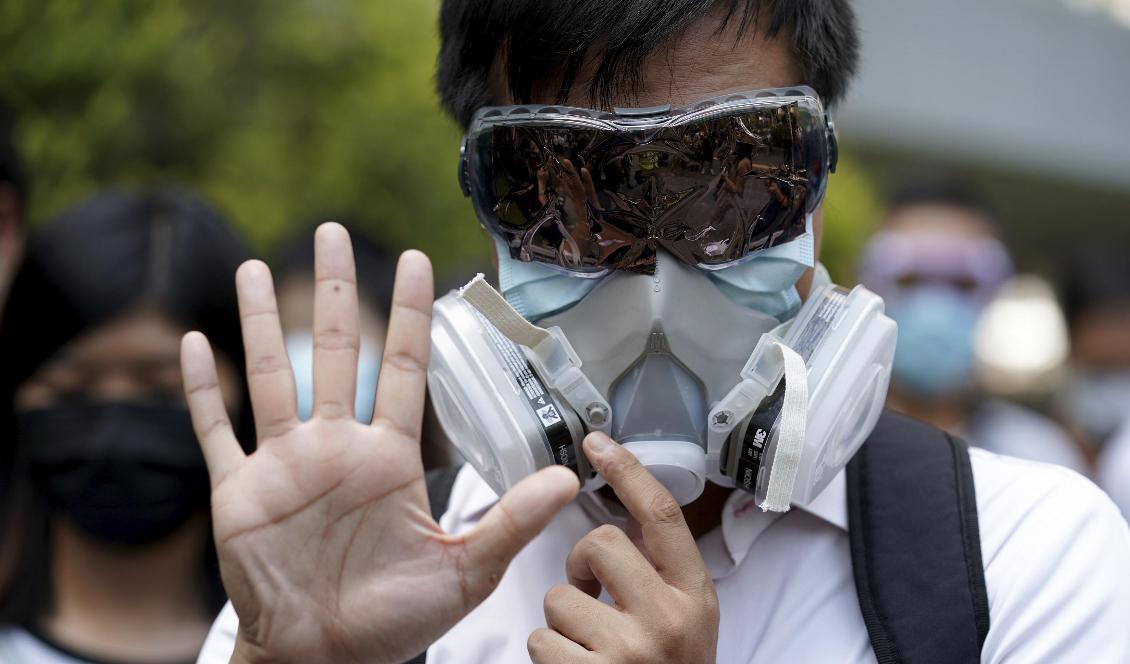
501 415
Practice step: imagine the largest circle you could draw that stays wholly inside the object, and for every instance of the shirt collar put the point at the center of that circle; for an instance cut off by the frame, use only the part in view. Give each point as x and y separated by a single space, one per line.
831 504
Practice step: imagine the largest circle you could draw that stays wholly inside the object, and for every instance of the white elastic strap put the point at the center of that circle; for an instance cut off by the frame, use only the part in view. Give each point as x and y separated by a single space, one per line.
791 433
490 303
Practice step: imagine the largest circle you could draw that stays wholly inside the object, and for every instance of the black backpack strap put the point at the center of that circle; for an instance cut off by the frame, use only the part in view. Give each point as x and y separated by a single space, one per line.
439 482
915 544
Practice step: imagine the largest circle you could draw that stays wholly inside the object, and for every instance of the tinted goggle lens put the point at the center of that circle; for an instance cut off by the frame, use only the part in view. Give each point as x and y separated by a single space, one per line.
710 187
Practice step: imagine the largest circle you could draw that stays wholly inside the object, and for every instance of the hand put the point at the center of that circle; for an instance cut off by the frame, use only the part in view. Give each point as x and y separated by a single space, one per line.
325 539
665 607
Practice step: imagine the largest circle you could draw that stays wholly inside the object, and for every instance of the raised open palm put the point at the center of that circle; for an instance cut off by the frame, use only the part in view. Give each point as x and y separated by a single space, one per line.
326 543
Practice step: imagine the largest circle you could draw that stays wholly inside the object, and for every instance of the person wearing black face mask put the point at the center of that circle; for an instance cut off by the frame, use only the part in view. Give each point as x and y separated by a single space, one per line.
105 547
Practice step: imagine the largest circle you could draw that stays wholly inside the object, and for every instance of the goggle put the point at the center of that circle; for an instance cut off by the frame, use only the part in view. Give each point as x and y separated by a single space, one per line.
712 183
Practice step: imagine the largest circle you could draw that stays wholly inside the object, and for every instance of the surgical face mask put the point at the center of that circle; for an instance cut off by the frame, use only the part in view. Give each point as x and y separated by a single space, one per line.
1098 401
935 341
300 349
124 473
696 385
764 282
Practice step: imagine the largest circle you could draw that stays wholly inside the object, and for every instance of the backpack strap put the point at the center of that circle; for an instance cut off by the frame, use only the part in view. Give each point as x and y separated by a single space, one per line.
439 482
915 544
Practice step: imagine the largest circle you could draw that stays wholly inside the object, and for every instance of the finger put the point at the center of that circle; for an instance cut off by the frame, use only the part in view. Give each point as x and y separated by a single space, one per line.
210 419
548 647
543 181
668 541
517 518
582 619
269 378
590 187
337 335
404 367
573 180
607 558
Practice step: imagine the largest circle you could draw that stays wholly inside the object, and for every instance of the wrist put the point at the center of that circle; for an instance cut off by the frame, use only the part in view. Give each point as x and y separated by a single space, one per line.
245 653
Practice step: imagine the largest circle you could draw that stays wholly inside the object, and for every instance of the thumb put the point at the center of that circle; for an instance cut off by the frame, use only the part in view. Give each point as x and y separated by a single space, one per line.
523 512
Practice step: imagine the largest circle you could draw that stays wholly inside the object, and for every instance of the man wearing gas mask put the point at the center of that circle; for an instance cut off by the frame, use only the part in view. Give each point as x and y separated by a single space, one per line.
650 176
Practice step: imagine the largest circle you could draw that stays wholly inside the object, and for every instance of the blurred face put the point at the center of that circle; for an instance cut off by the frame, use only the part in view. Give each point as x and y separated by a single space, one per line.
1101 339
107 434
1097 395
135 358
937 266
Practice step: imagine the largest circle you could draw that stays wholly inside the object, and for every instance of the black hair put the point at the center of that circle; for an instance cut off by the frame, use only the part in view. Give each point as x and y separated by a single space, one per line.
942 190
1093 278
11 166
165 250
535 41
376 265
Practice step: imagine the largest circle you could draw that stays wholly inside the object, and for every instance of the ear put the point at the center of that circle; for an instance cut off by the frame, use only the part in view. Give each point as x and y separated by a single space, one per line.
804 284
11 226
11 237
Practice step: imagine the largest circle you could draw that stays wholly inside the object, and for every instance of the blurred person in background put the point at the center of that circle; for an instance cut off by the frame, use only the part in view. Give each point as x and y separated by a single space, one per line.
293 266
937 262
13 204
1095 399
105 505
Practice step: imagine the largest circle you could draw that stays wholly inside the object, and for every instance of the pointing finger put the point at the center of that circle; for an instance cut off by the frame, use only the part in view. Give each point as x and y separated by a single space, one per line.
666 537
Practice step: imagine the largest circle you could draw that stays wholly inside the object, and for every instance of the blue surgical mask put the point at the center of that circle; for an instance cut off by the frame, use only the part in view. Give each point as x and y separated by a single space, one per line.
766 282
300 349
934 355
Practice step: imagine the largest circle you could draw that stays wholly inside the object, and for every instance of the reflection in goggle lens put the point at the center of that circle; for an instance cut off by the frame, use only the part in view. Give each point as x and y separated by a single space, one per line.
709 191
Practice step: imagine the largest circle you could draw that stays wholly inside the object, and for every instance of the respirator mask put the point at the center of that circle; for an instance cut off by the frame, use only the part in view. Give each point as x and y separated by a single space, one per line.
661 220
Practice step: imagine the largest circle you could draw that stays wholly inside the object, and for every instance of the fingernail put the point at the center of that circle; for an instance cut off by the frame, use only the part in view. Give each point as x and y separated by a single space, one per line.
598 442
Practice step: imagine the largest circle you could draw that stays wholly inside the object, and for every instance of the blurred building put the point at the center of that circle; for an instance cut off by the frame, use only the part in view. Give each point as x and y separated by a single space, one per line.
1027 97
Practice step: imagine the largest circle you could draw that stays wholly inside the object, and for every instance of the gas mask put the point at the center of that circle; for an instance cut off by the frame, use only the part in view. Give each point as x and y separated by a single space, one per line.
697 387
653 214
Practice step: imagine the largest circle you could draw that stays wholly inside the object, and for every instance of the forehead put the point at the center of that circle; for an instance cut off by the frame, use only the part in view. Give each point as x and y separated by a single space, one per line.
137 335
705 60
939 219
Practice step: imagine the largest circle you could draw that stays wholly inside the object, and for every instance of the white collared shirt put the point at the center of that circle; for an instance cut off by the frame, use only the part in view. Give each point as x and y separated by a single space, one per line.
1113 473
1055 549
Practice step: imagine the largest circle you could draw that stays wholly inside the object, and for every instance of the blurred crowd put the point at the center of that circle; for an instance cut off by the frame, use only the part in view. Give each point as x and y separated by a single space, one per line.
105 546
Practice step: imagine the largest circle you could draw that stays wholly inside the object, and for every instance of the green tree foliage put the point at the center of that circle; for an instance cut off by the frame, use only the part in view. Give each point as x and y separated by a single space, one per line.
280 112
